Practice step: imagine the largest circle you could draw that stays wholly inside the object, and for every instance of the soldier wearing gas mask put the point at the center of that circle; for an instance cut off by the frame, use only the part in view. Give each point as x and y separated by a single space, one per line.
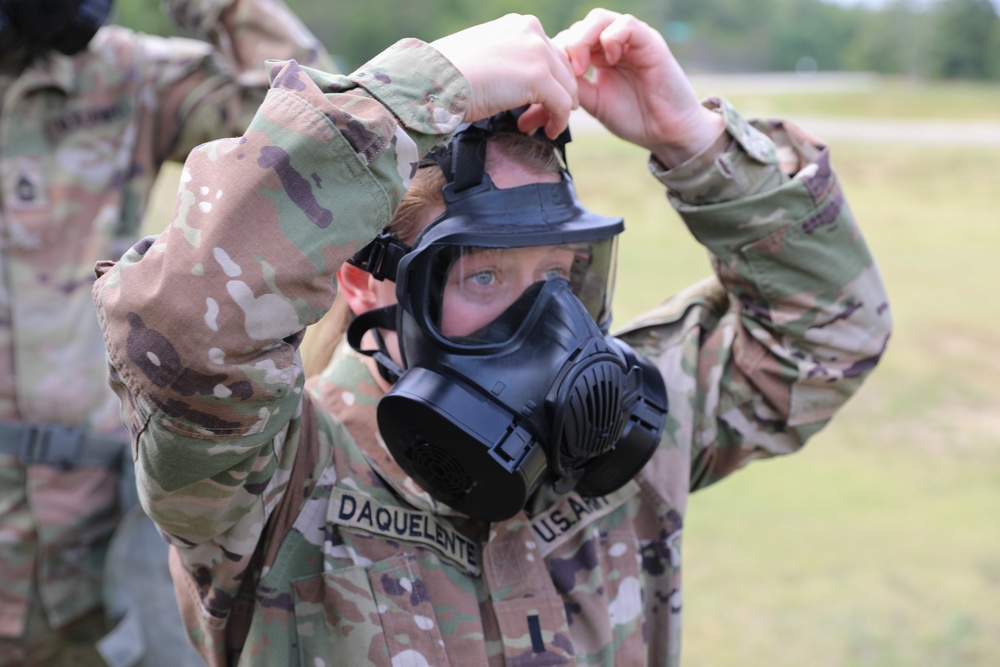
481 474
88 114
506 379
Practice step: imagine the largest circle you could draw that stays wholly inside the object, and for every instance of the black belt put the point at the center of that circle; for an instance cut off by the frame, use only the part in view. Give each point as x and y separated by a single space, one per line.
62 446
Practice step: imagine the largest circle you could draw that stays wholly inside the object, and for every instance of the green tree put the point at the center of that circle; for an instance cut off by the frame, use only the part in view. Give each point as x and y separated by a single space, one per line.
357 31
893 40
142 15
951 39
964 39
726 35
807 31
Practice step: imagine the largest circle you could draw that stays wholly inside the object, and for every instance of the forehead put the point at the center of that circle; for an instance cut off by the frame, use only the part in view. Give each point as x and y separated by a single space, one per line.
507 172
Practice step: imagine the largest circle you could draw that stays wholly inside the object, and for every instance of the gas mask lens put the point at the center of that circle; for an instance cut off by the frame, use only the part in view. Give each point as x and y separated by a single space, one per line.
485 291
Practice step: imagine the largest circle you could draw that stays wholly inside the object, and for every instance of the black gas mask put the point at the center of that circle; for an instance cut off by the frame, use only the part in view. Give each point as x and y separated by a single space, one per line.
509 379
33 27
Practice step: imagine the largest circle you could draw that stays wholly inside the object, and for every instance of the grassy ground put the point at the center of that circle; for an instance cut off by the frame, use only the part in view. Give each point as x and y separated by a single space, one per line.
878 545
885 98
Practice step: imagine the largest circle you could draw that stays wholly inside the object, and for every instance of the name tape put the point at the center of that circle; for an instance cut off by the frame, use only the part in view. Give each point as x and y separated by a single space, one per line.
552 527
572 512
362 512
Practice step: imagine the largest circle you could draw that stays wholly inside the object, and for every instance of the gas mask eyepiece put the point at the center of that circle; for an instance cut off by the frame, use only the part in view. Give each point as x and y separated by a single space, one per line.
509 379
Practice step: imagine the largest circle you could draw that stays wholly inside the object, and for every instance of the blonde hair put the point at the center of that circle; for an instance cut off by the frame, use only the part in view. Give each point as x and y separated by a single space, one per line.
424 193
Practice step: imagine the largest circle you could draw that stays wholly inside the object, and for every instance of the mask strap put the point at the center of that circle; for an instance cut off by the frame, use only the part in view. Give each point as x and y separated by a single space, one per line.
381 257
468 158
373 320
463 161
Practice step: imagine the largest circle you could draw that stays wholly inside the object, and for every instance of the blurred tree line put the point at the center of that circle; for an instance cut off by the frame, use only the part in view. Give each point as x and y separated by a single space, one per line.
942 39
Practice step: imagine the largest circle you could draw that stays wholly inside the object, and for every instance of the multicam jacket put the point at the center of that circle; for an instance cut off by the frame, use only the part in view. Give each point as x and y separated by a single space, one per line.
297 538
81 141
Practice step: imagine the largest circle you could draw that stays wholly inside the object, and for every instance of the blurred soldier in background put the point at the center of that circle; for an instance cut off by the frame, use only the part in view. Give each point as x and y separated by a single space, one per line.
88 114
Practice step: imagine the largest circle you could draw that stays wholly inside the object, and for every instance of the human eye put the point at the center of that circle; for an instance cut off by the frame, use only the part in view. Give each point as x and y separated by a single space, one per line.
557 263
555 272
484 278
479 271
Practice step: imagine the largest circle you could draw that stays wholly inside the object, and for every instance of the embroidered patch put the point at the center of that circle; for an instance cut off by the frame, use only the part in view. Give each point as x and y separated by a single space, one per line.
24 185
572 512
356 510
86 119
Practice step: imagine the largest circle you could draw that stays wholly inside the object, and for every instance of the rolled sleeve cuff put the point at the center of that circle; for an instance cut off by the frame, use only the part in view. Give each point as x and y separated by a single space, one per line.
436 93
741 162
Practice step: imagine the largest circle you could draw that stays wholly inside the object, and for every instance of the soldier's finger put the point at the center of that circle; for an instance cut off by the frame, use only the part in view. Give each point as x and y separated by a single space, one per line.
581 41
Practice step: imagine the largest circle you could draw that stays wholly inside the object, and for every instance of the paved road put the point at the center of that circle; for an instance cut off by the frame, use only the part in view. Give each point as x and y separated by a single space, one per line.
953 133
943 132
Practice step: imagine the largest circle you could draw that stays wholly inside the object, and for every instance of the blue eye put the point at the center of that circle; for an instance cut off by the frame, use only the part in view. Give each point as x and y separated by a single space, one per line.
482 278
551 274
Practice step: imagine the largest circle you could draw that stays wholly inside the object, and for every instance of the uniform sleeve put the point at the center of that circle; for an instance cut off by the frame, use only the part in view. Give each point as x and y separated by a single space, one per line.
210 86
759 358
202 324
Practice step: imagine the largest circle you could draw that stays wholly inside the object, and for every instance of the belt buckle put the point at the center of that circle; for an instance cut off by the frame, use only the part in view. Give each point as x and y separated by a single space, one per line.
50 444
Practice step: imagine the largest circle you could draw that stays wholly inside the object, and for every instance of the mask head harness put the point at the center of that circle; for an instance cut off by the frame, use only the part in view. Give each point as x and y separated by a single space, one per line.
484 411
33 27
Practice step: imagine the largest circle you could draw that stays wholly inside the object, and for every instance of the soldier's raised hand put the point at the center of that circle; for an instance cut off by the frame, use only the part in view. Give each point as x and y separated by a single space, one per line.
637 89
511 62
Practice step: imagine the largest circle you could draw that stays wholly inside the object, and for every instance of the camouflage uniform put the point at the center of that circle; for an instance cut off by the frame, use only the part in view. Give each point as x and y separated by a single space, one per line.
81 141
293 527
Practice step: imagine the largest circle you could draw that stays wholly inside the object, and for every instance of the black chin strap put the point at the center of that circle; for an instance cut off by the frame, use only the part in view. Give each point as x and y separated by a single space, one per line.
373 320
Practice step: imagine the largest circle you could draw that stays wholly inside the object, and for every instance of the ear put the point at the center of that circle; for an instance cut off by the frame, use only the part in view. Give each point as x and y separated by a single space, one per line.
356 285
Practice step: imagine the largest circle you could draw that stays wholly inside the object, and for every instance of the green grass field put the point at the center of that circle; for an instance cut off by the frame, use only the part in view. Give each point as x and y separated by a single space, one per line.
891 98
879 544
